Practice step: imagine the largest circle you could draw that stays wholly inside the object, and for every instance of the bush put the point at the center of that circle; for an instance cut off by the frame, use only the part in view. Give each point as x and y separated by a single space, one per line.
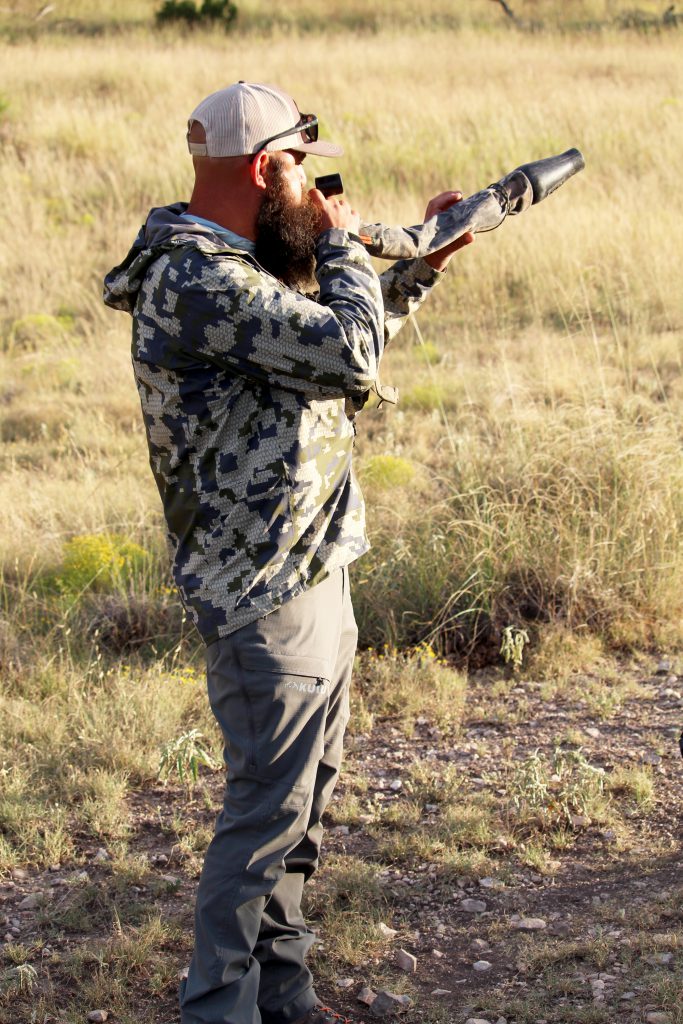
388 471
101 562
214 12
38 331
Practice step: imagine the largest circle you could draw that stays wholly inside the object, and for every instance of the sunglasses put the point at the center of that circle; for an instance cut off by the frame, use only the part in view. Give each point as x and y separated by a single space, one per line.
307 125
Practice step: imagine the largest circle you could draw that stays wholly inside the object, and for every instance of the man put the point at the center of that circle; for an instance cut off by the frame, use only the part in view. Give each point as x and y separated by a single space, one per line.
249 386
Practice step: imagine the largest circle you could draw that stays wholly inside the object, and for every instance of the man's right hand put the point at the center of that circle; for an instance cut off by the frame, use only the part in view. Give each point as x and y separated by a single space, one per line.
335 212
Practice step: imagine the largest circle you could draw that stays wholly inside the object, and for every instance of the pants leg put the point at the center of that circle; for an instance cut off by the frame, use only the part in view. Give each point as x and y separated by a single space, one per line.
280 950
273 691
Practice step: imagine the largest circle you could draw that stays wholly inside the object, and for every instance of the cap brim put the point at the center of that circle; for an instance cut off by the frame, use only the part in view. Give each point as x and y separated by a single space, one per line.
318 148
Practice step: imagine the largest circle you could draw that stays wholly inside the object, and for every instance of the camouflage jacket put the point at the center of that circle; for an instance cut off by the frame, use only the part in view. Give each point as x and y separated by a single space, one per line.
245 387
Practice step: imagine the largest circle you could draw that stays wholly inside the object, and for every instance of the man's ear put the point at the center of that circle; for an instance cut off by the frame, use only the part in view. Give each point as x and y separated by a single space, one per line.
257 170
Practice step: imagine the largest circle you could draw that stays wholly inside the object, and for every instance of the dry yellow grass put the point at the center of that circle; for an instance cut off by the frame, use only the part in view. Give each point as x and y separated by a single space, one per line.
534 467
555 342
260 15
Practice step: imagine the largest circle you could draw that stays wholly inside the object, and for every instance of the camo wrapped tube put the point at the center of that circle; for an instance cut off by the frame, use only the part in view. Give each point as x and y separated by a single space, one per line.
243 385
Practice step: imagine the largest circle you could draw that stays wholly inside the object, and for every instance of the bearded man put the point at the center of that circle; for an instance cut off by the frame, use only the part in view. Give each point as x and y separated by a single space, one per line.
258 328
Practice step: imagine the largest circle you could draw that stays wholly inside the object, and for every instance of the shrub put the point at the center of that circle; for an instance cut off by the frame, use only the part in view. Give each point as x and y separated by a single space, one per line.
99 561
388 471
217 12
177 10
556 790
425 397
184 756
38 330
428 353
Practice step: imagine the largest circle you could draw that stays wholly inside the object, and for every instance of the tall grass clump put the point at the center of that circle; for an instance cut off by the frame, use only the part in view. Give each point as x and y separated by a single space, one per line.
575 520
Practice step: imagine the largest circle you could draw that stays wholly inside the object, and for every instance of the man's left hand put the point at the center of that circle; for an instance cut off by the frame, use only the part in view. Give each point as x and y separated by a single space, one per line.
442 257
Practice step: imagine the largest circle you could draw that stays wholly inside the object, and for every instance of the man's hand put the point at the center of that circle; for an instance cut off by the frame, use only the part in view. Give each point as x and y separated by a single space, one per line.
335 212
442 257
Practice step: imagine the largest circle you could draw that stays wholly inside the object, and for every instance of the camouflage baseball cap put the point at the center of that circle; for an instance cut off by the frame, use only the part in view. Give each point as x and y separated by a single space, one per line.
248 117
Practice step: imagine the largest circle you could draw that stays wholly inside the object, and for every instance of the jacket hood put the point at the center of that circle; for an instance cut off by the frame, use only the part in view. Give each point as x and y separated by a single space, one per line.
163 230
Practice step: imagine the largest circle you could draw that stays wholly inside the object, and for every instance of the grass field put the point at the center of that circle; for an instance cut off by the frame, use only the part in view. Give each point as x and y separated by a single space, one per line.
530 479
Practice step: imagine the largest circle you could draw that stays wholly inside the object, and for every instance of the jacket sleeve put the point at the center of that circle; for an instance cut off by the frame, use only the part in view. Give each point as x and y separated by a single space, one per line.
237 316
405 286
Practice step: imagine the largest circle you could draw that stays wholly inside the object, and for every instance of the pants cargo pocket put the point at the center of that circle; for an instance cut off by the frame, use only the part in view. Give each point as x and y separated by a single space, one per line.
286 698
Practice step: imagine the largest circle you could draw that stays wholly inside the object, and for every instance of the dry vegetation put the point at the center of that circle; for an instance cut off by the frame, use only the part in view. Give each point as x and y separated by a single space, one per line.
531 478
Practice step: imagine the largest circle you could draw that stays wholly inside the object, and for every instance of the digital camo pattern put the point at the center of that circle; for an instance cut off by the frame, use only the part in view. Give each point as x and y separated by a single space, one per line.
243 385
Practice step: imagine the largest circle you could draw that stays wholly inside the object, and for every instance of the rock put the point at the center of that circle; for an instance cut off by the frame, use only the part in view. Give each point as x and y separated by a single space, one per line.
656 959
366 996
656 1017
663 668
406 961
54 867
441 992
19 875
580 821
31 901
473 906
344 982
529 924
437 954
560 928
487 883
101 857
609 835
170 879
395 785
81 876
341 830
385 1003
479 945
593 732
386 931
98 1016
477 1020
651 758
182 975
482 965
431 808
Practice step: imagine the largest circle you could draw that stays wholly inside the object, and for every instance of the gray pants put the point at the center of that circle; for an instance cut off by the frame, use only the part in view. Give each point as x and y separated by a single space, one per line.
279 688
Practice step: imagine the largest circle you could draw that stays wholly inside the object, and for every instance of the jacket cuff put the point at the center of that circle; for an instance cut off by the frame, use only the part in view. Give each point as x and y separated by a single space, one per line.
335 238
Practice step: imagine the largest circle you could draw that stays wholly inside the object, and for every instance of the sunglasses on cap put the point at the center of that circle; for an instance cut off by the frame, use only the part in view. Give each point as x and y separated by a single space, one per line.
307 125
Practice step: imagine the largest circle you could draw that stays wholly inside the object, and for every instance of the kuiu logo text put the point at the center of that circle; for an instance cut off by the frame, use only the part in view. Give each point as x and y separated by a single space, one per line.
317 686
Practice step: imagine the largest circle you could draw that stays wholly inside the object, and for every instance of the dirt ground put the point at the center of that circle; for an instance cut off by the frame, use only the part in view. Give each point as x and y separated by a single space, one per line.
584 926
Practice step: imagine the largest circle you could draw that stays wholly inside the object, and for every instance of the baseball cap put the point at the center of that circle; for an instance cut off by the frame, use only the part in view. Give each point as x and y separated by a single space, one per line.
248 117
